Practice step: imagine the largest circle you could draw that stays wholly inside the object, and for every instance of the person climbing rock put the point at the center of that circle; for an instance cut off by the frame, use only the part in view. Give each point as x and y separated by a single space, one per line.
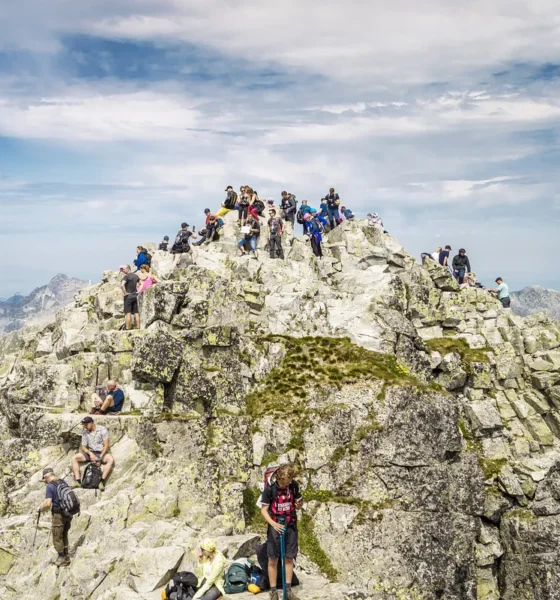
164 244
461 266
279 504
210 572
502 291
107 401
333 201
94 448
289 207
276 228
182 246
60 523
251 237
129 285
229 203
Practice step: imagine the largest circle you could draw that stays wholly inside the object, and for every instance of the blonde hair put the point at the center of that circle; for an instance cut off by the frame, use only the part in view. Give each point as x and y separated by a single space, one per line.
145 268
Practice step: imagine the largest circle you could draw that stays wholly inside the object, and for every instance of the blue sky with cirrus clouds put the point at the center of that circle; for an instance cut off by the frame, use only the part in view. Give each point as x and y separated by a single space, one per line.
118 120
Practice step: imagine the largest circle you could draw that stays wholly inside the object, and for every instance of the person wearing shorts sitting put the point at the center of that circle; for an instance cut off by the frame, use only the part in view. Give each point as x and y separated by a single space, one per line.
107 401
94 448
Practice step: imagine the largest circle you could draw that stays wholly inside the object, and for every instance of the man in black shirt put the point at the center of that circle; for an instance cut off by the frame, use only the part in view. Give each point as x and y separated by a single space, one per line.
276 228
333 202
130 297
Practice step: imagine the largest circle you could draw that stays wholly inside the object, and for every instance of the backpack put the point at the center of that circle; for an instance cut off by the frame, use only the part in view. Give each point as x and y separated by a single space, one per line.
92 476
67 498
148 257
299 216
237 577
259 206
231 200
182 586
182 239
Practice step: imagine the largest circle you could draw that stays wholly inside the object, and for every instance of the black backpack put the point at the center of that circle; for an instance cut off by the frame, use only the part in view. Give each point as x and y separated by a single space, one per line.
259 206
148 258
237 578
299 216
92 476
182 586
67 498
231 200
181 239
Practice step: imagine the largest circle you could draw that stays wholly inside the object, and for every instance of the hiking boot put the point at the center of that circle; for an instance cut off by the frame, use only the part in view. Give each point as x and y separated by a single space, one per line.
274 595
101 486
62 561
291 595
76 484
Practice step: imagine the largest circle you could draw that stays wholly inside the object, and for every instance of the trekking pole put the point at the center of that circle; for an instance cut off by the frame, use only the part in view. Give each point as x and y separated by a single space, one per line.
36 528
283 563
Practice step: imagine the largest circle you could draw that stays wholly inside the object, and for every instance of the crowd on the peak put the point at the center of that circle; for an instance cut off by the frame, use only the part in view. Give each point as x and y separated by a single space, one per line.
460 269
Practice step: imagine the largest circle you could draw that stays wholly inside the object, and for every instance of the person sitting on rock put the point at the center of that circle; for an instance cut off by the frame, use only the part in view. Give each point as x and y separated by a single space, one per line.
502 291
251 237
229 203
210 572
141 257
346 214
146 279
94 448
279 504
374 220
213 229
164 245
107 400
60 523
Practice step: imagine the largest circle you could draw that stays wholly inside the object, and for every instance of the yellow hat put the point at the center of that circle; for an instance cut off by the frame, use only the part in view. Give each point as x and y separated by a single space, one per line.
208 545
253 588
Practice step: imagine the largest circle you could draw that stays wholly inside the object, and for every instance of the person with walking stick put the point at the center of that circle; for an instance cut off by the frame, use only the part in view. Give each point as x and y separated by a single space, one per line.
279 504
58 504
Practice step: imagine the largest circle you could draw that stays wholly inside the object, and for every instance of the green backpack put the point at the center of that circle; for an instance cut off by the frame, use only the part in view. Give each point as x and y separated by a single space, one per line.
237 578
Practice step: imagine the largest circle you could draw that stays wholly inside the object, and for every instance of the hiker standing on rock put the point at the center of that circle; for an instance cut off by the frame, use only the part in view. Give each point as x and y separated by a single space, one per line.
289 207
333 202
502 291
182 246
276 228
461 266
60 523
279 504
94 448
129 284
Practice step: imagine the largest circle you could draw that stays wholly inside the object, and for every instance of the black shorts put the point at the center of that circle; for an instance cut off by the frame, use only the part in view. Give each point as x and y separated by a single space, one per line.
131 304
181 249
273 542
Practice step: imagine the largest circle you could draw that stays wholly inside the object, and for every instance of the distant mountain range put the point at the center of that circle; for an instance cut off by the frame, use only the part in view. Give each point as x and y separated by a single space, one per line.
536 298
40 305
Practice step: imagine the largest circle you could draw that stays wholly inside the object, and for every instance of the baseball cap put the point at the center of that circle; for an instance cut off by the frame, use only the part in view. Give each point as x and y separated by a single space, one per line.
448 247
229 187
47 471
165 237
499 278
183 225
86 420
206 211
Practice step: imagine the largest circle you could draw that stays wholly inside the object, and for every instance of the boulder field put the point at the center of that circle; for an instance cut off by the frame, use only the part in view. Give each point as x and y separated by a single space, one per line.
424 420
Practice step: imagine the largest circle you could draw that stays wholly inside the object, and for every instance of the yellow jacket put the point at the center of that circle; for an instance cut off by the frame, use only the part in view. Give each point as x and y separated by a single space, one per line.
213 572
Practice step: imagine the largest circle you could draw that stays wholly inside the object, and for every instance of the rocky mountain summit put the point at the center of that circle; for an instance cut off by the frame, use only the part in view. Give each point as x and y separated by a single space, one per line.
536 299
424 420
40 305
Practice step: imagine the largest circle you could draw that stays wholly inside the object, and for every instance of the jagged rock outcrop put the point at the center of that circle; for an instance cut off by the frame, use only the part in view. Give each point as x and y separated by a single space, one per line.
536 299
40 305
424 420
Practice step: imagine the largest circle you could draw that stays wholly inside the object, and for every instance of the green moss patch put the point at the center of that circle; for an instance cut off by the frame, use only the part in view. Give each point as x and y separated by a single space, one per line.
469 355
253 519
312 362
310 546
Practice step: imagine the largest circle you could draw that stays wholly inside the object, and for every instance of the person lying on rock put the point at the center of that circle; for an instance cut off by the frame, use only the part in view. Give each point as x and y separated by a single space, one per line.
60 523
108 400
279 504
94 448
210 572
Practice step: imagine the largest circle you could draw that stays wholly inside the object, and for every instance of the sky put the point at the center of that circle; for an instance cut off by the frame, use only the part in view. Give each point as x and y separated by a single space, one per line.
120 119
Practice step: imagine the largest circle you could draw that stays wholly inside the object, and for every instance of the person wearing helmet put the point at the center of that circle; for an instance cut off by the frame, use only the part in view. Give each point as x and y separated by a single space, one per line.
461 266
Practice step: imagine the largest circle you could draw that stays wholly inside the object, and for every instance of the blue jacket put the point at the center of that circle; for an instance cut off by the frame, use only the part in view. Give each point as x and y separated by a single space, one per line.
140 260
305 208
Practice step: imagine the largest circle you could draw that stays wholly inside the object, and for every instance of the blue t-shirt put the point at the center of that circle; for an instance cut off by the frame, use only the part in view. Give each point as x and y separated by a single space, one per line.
442 256
503 290
52 493
118 399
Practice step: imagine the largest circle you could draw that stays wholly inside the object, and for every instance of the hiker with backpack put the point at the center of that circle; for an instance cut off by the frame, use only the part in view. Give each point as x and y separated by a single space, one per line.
303 210
163 246
109 400
62 511
145 279
210 572
279 501
251 232
129 285
182 246
141 257
276 228
229 203
288 205
461 266
94 448
333 202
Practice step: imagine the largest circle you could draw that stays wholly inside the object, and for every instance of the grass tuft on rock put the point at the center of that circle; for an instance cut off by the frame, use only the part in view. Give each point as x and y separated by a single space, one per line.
469 355
310 546
312 362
